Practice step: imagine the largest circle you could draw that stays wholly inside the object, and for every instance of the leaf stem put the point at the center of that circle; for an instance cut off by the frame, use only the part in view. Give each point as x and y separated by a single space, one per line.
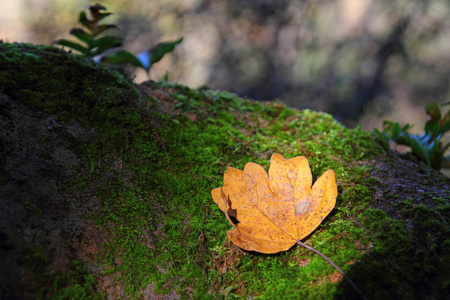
335 266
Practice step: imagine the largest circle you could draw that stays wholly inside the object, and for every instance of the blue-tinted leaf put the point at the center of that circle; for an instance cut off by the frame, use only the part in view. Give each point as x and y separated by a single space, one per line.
427 147
424 138
144 58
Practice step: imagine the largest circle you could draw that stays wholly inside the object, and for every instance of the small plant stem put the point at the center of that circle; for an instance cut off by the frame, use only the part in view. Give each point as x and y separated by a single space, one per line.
335 266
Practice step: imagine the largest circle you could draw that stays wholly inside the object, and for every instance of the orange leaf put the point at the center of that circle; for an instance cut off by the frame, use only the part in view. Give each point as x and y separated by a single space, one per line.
271 213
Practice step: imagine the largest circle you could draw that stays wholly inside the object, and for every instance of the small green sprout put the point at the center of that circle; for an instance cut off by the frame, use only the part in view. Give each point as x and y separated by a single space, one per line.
94 46
429 145
91 45
144 59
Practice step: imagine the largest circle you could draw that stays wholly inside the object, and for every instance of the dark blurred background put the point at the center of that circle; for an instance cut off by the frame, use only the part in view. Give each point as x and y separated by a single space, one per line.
362 61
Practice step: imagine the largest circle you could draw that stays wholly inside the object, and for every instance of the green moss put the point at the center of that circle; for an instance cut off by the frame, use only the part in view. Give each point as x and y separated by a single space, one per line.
65 85
413 254
78 283
157 215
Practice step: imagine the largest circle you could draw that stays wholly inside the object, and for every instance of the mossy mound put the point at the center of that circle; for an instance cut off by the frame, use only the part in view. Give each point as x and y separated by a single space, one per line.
126 210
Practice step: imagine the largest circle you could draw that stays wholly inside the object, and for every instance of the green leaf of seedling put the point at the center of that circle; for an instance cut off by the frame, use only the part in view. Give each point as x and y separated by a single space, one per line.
108 41
157 52
96 14
396 130
96 47
375 130
83 20
382 134
122 57
428 145
101 16
101 28
436 159
425 146
433 110
420 150
81 35
437 154
433 127
72 45
105 43
406 128
391 129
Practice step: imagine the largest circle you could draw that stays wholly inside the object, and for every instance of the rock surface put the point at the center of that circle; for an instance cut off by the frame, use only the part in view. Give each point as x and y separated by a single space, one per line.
104 192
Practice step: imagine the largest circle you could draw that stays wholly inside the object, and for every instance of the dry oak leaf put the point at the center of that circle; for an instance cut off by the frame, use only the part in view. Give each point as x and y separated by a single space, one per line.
272 213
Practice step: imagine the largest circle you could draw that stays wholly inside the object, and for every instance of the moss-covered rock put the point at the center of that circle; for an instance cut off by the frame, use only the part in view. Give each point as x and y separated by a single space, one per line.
105 192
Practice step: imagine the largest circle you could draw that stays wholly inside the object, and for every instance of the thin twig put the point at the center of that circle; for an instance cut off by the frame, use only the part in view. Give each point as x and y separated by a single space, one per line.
335 266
